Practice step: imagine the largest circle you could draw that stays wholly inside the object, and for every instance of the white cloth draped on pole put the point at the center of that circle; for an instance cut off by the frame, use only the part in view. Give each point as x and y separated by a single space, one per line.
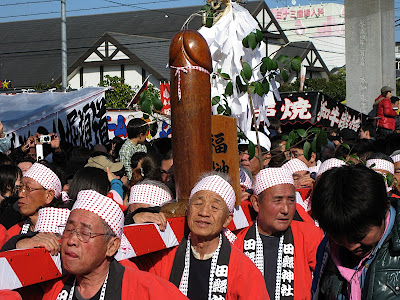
225 41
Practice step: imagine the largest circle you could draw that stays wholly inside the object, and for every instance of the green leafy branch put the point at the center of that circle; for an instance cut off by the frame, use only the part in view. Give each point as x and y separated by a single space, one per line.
210 12
314 138
388 178
349 154
151 105
289 65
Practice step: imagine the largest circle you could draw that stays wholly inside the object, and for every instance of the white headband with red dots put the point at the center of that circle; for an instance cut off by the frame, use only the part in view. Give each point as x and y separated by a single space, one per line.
218 185
49 218
149 194
295 165
380 164
45 177
329 164
396 158
105 207
270 177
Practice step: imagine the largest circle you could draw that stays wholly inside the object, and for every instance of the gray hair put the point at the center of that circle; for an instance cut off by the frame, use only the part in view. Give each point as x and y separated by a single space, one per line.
108 232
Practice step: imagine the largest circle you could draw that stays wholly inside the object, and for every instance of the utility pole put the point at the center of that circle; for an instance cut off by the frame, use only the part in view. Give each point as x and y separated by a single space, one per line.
64 65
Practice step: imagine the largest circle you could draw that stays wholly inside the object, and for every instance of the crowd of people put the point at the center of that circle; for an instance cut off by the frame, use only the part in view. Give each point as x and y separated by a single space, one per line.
324 226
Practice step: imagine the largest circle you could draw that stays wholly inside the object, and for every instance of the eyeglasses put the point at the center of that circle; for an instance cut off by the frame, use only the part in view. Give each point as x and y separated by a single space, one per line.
83 234
247 152
24 188
295 154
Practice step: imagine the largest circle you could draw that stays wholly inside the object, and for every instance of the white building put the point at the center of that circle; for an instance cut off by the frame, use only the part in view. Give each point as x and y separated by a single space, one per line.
321 24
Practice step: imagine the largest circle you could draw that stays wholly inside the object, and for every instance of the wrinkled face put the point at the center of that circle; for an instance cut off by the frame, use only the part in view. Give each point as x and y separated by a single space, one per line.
24 166
32 196
365 246
166 164
207 215
276 207
81 258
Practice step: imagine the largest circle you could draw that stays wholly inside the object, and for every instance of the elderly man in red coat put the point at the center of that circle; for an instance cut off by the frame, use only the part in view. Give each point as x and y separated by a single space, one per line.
282 249
90 239
205 265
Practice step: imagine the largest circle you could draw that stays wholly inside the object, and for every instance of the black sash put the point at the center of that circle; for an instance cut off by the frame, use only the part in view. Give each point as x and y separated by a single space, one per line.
219 285
114 283
285 265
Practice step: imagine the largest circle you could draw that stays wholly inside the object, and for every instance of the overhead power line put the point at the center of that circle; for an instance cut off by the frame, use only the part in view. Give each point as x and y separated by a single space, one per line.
150 34
83 9
24 3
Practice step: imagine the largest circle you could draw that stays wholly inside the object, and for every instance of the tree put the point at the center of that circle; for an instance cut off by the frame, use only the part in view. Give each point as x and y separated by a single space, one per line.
120 95
334 87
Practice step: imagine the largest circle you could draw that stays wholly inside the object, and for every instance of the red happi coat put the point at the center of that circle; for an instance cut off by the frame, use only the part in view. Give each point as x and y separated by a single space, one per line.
15 230
306 240
245 281
3 235
135 285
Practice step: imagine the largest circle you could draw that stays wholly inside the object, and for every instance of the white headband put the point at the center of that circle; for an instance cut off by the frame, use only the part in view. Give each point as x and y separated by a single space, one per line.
270 177
329 164
45 177
380 164
295 165
396 158
219 186
50 217
149 194
105 207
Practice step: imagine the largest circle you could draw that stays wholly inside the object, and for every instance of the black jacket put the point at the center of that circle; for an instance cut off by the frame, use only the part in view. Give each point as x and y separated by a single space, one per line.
383 275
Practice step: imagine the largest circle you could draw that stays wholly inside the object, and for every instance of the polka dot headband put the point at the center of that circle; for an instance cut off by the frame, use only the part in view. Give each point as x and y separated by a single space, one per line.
381 164
50 217
295 165
270 177
218 185
45 177
105 207
329 164
149 194
396 158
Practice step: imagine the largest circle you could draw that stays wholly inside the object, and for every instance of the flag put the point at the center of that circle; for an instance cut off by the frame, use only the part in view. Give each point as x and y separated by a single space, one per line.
165 98
135 99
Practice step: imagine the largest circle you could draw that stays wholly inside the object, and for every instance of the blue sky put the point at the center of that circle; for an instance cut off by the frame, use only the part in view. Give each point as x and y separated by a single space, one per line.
17 10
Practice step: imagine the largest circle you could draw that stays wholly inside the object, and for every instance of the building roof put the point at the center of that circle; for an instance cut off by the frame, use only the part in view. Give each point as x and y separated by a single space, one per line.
308 53
30 50
148 52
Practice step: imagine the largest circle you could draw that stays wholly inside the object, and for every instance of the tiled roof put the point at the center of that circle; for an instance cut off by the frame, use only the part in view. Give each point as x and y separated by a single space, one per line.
30 50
